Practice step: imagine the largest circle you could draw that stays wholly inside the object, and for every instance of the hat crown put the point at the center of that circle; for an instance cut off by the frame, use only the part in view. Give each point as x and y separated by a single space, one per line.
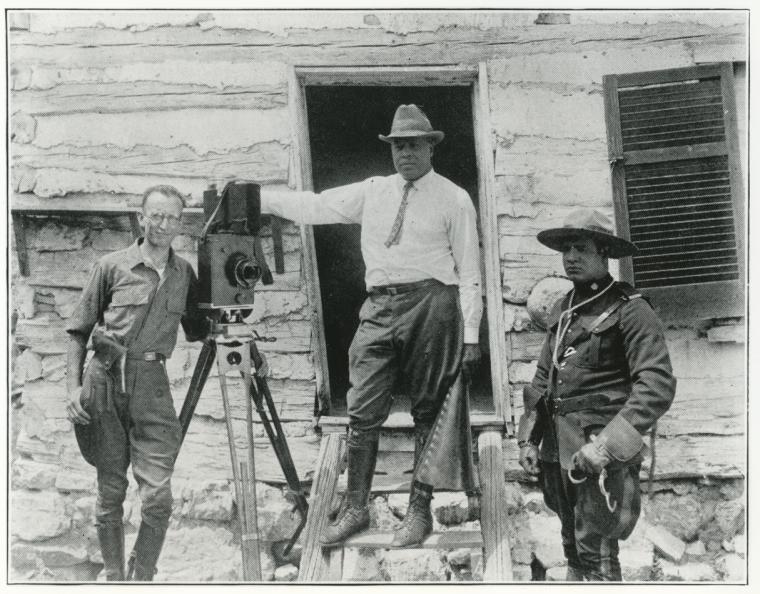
410 118
588 219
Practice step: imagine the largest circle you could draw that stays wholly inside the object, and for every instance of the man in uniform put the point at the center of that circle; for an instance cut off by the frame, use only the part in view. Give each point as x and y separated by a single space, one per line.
121 406
420 321
603 379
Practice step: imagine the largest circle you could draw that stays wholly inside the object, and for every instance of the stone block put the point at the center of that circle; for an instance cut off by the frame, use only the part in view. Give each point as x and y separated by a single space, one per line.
23 299
286 573
30 474
516 318
381 515
544 296
28 366
681 516
521 372
23 128
732 568
696 549
739 544
687 572
212 502
414 565
277 520
636 555
38 515
72 552
204 554
670 546
729 515
558 573
362 565
450 508
53 236
54 368
84 510
459 557
546 540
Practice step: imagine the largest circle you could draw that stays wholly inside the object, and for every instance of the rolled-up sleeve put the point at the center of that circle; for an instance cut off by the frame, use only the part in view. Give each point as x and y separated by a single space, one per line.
463 236
92 304
337 205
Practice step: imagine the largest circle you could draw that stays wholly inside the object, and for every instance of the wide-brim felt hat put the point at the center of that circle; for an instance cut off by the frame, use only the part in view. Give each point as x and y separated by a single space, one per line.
588 223
410 122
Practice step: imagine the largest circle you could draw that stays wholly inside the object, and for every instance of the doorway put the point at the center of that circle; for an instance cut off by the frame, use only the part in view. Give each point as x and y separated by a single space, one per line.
343 124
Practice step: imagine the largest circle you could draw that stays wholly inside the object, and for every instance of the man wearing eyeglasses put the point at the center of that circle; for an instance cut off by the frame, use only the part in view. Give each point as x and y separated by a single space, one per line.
121 405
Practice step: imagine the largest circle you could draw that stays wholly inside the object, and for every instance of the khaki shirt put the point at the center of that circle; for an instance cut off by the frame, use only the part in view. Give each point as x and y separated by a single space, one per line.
128 301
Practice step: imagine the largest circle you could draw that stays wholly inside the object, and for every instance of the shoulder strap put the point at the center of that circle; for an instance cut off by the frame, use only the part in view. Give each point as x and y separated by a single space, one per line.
608 312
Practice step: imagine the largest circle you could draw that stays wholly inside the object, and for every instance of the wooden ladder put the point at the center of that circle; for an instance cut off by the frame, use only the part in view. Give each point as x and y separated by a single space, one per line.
326 565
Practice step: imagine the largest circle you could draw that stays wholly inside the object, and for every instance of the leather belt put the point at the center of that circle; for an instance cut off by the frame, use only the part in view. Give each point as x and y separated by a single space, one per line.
404 287
569 405
147 356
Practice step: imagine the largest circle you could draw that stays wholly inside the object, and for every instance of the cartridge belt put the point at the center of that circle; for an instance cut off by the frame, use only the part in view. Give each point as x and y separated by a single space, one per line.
404 287
147 356
569 405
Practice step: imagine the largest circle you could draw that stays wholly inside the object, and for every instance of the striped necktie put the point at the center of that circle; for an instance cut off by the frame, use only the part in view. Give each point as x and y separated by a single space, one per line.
395 235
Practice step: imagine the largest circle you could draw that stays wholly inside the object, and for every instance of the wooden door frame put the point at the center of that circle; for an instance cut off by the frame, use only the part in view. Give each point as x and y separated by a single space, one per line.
473 76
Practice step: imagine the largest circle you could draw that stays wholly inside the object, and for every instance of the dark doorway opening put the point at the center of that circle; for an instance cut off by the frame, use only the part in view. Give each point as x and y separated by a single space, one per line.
344 122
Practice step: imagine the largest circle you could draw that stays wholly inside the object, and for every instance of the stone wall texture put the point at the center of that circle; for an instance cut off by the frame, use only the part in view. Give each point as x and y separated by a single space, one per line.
104 104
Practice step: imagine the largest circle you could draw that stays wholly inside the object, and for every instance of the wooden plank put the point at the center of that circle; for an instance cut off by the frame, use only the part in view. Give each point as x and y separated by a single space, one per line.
403 421
454 539
617 172
303 181
526 346
653 77
314 559
494 520
734 158
407 76
499 358
674 153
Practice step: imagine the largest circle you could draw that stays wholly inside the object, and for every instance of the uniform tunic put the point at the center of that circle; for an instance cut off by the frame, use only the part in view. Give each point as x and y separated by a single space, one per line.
127 301
613 381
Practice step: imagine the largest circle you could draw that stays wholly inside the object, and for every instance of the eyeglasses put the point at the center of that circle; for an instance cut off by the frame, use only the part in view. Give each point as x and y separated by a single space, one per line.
158 218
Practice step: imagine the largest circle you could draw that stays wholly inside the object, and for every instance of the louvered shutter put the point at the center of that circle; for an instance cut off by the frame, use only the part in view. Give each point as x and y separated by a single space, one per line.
677 187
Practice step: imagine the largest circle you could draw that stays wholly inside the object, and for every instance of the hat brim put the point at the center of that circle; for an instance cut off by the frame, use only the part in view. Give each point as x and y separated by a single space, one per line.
555 238
436 135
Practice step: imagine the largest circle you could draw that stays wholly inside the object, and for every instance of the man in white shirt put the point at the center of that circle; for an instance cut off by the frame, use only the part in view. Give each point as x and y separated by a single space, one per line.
420 322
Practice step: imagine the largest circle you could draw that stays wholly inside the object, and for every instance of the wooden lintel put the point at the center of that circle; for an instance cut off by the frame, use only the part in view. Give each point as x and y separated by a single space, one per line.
401 421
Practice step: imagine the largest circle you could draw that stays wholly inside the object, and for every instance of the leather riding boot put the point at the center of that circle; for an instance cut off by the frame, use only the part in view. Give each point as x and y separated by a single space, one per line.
353 516
142 561
111 538
418 521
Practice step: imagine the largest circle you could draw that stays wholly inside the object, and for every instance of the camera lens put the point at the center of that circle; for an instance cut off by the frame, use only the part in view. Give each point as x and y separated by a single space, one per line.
243 271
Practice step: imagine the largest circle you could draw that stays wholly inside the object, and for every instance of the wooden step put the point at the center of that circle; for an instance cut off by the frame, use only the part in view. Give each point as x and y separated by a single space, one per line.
455 539
402 421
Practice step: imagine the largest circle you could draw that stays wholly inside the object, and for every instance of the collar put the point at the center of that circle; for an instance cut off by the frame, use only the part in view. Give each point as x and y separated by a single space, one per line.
586 290
421 183
135 257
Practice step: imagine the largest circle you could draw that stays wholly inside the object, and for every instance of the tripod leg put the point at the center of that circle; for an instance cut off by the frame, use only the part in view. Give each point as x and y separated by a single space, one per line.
200 375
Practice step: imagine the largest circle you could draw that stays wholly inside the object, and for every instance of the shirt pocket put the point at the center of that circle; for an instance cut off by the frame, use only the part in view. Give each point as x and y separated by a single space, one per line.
606 349
130 295
176 304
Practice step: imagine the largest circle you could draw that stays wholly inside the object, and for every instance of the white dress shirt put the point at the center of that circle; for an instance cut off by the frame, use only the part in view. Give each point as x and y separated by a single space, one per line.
438 238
